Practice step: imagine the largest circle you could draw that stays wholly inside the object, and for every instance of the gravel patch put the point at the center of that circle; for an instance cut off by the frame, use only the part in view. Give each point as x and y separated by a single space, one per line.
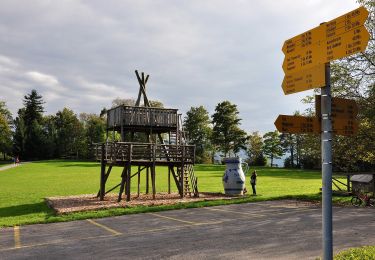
69 204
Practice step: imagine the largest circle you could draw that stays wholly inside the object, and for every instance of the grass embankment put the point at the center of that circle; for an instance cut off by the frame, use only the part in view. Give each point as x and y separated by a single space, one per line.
360 253
23 188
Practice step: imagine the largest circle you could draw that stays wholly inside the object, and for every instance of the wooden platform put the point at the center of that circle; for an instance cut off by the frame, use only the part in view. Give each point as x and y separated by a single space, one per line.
118 153
146 156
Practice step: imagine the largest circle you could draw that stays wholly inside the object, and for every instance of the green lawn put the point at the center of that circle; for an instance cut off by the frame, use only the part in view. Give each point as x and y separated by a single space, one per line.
23 188
359 253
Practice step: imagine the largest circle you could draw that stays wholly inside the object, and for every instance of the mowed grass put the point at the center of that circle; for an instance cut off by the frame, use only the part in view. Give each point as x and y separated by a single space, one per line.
23 188
359 253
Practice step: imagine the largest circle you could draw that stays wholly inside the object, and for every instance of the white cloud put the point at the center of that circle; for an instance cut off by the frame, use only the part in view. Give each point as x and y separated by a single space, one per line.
44 79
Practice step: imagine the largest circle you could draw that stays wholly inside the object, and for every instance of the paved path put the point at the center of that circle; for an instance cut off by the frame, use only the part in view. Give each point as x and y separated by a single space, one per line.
264 230
6 167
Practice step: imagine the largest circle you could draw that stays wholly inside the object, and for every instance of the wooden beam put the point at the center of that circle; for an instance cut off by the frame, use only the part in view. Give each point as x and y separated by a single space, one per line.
182 173
334 183
147 179
123 180
143 89
144 167
169 180
153 171
102 174
113 188
137 103
139 180
348 183
128 179
105 180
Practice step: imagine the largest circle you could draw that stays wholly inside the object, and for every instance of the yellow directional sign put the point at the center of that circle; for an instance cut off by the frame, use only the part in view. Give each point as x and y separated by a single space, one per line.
333 28
312 125
297 124
343 45
344 126
341 107
346 44
304 80
335 39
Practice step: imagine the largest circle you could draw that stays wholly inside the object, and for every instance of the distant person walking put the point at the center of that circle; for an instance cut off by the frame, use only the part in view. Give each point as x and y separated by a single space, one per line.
17 161
253 182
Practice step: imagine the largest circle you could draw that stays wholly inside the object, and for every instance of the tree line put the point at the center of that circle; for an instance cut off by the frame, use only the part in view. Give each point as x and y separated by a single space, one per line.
34 136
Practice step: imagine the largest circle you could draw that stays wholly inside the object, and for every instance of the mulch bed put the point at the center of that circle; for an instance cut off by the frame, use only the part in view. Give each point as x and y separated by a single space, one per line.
69 204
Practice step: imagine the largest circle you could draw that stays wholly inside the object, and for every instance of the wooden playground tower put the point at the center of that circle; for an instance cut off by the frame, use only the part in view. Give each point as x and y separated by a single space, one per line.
150 137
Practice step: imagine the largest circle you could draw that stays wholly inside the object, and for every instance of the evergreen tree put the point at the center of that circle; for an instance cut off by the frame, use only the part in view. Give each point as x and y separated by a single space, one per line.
33 103
32 117
226 134
19 137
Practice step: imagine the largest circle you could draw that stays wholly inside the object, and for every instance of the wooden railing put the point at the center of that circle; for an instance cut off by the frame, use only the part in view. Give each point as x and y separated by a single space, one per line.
142 116
125 151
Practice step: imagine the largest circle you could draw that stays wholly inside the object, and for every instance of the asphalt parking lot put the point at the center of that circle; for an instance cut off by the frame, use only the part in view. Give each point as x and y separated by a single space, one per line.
264 230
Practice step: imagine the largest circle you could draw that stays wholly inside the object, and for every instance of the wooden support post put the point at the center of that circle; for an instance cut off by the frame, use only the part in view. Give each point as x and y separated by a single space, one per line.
169 179
147 179
182 172
139 180
123 180
348 182
105 179
153 181
128 179
153 171
102 174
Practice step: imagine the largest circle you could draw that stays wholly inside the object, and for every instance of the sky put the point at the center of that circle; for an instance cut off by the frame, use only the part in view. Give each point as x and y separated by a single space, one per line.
83 54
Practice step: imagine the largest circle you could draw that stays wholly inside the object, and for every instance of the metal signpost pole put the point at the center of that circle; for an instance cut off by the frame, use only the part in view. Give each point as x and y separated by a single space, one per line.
326 139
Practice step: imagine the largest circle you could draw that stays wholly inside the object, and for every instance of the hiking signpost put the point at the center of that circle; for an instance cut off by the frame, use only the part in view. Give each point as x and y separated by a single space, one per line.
341 107
307 66
297 124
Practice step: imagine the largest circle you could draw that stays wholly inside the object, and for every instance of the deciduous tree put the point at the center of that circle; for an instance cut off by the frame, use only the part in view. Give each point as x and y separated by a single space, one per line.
197 125
272 145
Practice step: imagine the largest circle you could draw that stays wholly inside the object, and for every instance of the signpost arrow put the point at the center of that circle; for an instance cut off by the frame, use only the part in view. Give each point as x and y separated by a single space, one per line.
341 108
333 28
344 126
304 80
341 37
297 124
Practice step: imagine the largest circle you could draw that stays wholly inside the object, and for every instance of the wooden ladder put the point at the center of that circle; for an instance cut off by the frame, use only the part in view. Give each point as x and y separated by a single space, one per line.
190 180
